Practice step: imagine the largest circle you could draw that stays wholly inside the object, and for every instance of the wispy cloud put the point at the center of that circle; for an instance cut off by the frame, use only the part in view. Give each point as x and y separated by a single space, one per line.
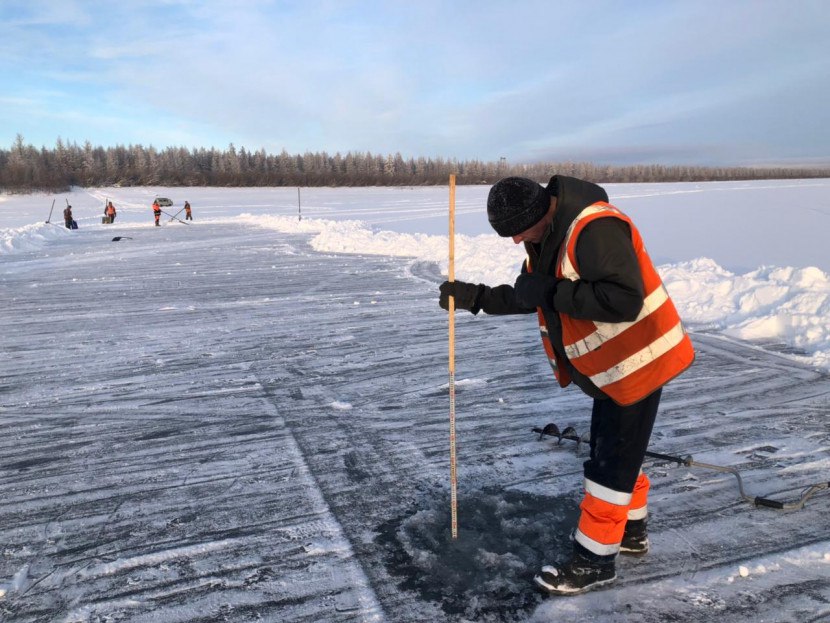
471 80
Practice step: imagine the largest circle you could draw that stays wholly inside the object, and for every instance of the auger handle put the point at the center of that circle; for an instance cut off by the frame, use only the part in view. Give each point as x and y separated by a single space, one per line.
667 457
768 503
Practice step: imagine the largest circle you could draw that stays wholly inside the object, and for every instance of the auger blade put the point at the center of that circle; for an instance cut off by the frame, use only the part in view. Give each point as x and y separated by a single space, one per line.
552 430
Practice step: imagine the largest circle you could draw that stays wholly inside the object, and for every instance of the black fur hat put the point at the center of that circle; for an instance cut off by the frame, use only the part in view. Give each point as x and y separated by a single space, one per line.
516 204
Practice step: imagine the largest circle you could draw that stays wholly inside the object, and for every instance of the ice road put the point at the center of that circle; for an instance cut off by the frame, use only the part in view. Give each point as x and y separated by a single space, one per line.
218 423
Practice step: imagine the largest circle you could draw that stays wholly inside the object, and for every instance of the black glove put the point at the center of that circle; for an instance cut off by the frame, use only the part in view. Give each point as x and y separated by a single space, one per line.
535 290
466 295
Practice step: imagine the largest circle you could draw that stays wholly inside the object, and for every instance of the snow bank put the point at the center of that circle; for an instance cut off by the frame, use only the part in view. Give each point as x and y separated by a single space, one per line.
485 258
29 237
785 305
788 306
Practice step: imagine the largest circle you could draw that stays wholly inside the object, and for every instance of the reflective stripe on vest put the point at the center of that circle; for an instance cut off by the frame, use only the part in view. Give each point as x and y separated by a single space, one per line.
626 360
561 372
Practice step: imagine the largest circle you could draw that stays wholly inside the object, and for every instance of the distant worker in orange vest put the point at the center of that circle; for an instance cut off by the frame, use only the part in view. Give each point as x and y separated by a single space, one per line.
110 211
157 212
608 325
188 215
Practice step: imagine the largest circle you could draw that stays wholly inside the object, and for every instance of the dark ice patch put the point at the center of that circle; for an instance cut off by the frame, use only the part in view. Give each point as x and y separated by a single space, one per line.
33 462
504 538
159 434
355 469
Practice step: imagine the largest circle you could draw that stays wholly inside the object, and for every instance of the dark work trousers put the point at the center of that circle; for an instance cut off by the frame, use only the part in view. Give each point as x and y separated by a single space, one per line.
619 440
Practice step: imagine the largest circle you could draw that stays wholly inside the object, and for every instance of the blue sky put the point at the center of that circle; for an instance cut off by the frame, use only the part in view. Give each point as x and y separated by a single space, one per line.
694 82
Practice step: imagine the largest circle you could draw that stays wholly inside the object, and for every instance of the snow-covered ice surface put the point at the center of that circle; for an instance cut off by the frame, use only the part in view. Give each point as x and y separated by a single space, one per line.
245 418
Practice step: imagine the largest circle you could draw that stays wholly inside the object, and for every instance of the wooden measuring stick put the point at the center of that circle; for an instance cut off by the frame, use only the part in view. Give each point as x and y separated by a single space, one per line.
451 275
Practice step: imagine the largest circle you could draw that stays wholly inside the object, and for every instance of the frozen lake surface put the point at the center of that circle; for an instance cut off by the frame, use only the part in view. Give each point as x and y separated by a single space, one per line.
223 422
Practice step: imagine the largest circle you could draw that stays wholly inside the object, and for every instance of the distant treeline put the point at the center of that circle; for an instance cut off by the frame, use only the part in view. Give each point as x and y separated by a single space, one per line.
25 168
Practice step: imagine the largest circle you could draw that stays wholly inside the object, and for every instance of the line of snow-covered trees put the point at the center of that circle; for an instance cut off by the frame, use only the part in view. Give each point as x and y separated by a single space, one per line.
25 168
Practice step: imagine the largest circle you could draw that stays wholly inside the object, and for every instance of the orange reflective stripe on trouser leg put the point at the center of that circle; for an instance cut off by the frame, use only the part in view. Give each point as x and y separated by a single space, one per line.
639 498
601 525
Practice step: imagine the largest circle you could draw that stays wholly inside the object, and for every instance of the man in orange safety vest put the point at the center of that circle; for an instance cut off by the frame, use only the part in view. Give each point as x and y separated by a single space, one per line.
609 326
156 212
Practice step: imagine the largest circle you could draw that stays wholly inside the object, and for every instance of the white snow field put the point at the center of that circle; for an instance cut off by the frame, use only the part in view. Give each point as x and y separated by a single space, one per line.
245 418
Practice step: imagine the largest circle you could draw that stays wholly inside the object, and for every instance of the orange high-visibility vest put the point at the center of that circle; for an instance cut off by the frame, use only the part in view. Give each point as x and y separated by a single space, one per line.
560 371
626 360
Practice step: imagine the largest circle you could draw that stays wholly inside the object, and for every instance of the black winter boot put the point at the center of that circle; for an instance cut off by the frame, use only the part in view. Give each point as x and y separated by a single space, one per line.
578 575
635 538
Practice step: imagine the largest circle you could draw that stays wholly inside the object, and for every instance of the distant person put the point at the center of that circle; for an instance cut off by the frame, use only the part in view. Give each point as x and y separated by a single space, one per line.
157 212
188 215
110 211
67 218
608 325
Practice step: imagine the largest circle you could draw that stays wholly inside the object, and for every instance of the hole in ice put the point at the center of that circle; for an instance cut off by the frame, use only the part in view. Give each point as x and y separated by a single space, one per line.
504 538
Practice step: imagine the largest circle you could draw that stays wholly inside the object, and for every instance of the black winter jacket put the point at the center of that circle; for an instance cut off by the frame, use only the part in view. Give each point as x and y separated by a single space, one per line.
611 286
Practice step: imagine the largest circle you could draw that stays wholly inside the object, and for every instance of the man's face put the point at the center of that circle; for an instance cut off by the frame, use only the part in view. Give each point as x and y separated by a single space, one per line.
537 232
